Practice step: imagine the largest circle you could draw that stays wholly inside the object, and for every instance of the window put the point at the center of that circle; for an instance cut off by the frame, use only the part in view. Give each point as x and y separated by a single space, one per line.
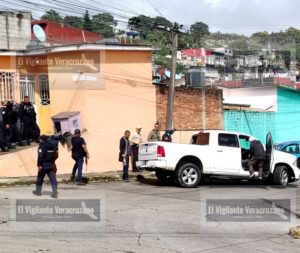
7 86
27 88
44 90
228 140
202 139
293 149
244 142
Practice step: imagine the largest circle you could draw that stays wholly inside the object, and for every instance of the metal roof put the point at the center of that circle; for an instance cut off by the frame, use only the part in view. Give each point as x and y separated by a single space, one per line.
65 115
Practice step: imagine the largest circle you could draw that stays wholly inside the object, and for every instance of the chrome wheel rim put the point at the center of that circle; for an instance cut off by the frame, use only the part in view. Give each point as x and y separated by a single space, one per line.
284 177
189 176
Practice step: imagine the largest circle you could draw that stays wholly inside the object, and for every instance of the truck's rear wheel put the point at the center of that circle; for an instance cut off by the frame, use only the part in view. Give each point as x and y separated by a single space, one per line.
188 175
163 176
281 176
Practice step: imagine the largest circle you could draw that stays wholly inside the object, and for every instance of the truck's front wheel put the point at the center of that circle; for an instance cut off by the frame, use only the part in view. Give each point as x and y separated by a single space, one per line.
188 175
281 176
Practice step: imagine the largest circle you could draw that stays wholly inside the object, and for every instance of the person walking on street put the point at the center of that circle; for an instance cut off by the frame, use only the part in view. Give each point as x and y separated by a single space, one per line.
135 141
79 151
257 156
47 154
28 119
154 134
125 153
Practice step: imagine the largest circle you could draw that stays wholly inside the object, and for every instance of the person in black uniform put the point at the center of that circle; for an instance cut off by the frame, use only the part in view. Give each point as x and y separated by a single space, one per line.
10 120
47 154
79 151
2 137
257 156
28 119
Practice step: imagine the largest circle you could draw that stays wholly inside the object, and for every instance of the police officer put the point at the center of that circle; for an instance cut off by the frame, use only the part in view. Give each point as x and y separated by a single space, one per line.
10 120
2 137
28 119
2 130
47 154
79 151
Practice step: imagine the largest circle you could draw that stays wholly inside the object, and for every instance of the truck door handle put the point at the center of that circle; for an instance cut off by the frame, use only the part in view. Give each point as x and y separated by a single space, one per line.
219 151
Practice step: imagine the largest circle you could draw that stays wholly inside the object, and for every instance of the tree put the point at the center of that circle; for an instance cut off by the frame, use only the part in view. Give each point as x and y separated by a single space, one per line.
261 37
52 15
293 34
87 22
149 33
240 43
73 21
198 31
162 21
104 23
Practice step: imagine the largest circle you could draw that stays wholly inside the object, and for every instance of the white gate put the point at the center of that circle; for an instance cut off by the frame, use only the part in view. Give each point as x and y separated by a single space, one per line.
7 86
27 88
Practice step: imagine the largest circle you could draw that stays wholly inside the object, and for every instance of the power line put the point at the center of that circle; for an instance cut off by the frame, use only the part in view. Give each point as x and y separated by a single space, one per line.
157 10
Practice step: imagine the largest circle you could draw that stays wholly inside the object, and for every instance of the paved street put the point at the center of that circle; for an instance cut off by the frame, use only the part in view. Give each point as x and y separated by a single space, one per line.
146 216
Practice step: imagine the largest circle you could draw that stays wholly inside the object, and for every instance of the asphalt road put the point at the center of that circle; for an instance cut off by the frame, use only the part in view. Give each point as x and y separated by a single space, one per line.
146 216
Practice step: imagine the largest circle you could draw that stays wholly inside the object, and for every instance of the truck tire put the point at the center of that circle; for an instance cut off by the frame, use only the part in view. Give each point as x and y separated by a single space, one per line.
281 176
163 176
188 175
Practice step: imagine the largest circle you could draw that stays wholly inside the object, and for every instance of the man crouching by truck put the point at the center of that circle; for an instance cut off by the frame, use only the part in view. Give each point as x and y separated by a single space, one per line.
47 154
257 156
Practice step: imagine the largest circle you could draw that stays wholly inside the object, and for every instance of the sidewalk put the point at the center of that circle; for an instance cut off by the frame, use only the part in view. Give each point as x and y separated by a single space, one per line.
65 178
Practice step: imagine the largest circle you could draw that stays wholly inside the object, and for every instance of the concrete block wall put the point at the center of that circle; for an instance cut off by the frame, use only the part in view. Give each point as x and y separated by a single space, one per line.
15 30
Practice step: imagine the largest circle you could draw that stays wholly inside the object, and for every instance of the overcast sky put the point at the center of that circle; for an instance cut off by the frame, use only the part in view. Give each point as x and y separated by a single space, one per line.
237 16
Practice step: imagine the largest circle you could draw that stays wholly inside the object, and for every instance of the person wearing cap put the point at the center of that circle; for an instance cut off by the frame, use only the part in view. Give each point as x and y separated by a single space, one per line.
135 141
257 156
79 151
47 154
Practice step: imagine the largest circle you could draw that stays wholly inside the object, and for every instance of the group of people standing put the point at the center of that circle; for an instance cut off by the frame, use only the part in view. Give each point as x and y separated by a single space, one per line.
129 147
18 125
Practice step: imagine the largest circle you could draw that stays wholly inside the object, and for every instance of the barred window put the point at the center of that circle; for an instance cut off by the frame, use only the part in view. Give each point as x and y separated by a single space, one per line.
44 89
7 86
27 88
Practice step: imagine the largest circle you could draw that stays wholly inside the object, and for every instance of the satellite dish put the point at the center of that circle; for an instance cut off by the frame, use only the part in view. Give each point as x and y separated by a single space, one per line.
39 33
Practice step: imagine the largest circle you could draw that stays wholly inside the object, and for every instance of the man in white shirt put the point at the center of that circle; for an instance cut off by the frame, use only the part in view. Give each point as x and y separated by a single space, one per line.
135 141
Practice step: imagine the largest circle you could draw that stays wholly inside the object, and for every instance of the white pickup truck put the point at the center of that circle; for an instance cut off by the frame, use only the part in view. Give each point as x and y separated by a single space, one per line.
214 153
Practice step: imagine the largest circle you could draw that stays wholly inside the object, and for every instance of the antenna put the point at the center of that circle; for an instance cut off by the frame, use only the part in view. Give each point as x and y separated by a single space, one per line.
39 33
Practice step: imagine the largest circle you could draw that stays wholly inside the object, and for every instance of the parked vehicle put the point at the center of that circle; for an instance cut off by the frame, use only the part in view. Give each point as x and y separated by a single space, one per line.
214 154
291 147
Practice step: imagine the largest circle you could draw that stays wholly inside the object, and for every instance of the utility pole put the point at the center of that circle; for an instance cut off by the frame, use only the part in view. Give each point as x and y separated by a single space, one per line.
174 31
170 105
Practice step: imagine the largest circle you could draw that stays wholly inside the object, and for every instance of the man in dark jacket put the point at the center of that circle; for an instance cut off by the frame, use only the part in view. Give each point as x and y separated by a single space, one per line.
10 120
125 153
47 154
257 156
28 119
2 137
79 151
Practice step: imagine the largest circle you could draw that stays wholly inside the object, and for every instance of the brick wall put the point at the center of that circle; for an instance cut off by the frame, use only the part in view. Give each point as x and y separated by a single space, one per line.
15 30
194 108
